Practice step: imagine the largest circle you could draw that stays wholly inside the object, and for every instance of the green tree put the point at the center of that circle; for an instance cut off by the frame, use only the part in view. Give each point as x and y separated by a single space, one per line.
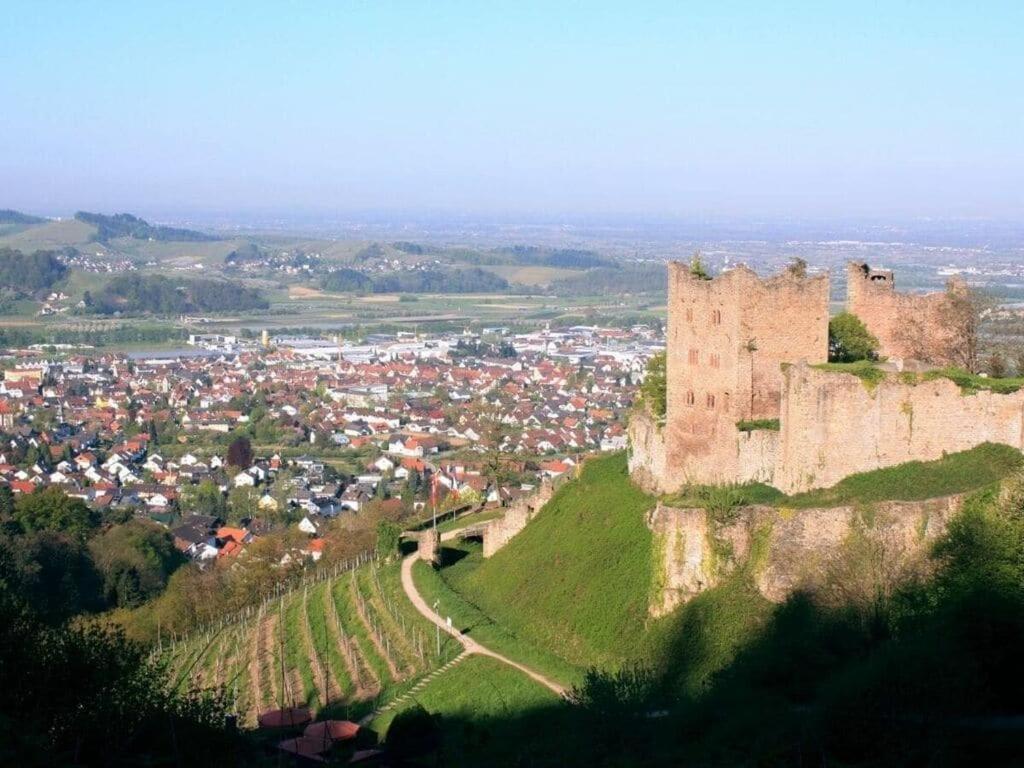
243 502
6 503
203 499
849 340
50 509
797 267
697 268
53 572
389 536
135 560
654 390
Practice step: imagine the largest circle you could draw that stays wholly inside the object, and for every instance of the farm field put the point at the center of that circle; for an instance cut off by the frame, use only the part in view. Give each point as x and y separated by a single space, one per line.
343 646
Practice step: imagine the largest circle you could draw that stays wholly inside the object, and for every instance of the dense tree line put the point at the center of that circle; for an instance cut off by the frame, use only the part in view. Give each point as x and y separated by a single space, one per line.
245 252
72 691
161 295
634 278
347 281
471 280
126 225
568 258
65 559
9 217
414 249
529 256
21 337
477 348
30 272
80 694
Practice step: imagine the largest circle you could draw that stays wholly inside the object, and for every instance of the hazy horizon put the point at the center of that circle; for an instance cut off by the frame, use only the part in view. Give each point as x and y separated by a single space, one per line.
582 110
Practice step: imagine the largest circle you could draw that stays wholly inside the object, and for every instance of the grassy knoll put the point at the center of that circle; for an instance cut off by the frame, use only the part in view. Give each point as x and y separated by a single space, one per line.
865 370
476 688
473 621
959 472
688 647
972 383
576 581
956 473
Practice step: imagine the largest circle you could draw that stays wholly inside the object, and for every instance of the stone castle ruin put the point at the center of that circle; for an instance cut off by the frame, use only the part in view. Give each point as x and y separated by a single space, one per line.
749 400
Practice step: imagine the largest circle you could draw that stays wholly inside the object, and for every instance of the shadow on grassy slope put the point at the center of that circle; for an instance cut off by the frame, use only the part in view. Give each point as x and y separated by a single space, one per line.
929 675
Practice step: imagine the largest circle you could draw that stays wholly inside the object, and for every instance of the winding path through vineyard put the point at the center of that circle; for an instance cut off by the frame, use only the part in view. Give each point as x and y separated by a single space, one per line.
469 644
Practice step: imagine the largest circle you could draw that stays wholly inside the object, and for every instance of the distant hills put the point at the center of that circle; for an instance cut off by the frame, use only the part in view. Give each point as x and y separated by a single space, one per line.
127 225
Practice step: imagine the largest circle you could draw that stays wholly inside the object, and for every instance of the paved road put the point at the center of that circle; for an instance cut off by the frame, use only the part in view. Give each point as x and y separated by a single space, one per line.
468 643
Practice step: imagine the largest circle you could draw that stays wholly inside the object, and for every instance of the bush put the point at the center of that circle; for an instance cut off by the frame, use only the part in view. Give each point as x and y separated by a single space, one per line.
413 732
654 390
849 340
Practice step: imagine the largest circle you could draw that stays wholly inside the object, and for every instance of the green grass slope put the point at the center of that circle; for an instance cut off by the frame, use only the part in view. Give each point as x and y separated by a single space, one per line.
954 473
960 472
577 580
477 688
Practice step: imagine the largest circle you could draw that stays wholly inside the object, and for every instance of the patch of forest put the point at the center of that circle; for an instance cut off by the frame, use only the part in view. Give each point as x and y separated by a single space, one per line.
472 280
127 225
26 273
161 295
11 217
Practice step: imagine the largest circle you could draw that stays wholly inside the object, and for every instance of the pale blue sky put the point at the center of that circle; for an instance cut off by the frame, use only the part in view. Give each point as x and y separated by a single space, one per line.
742 108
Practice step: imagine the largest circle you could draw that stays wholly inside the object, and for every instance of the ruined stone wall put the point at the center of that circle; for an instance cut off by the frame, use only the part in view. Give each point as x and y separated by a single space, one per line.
757 456
835 424
646 458
500 531
726 340
906 325
428 546
787 549
786 318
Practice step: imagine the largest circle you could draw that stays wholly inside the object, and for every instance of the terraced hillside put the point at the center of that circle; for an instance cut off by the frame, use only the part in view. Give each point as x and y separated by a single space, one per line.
342 645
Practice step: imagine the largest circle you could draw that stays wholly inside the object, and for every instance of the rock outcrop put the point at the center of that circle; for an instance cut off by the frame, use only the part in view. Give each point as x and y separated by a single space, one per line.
787 549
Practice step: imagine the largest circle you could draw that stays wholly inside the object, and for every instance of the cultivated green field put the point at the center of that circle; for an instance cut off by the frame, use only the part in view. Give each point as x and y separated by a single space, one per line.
477 687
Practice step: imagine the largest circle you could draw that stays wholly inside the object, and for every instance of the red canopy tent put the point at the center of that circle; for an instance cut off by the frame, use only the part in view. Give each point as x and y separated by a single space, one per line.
284 718
332 730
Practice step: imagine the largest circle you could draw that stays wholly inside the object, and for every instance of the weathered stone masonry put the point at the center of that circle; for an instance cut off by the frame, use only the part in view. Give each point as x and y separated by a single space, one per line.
740 348
906 325
727 338
835 424
785 549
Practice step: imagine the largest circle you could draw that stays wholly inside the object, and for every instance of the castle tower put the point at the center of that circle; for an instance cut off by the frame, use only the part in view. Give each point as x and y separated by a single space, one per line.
727 340
906 325
871 296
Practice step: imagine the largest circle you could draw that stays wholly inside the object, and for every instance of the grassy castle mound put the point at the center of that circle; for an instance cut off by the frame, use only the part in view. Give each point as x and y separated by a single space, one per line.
739 680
